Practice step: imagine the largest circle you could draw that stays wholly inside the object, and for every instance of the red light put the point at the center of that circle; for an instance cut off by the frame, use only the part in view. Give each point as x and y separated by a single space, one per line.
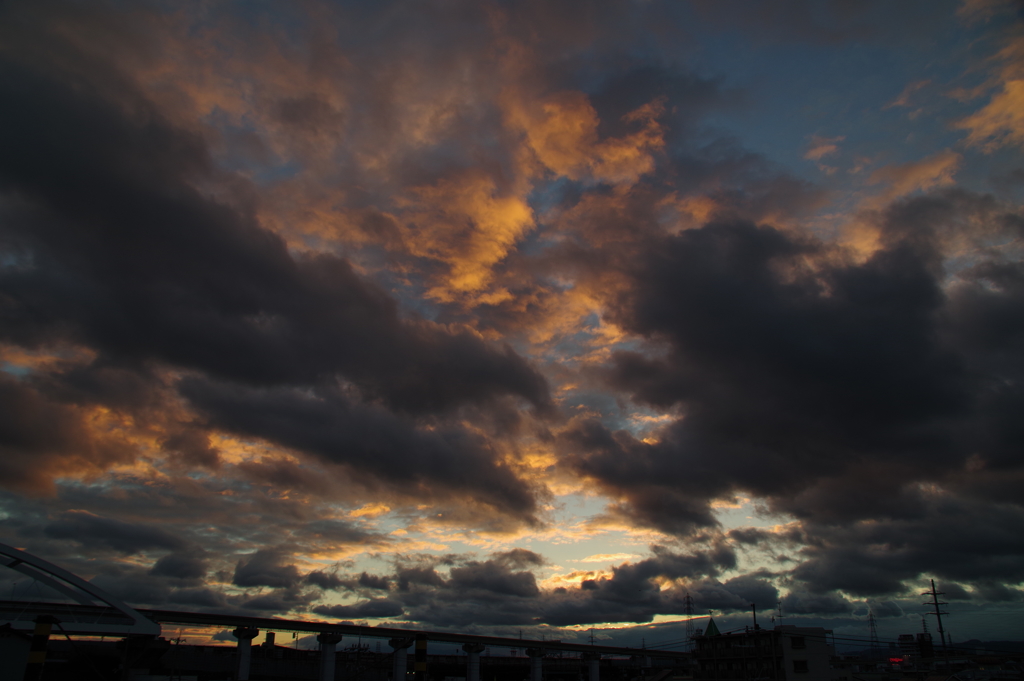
895 659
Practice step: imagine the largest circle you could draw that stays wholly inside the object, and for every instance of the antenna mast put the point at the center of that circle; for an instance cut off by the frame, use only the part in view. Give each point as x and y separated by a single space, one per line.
688 611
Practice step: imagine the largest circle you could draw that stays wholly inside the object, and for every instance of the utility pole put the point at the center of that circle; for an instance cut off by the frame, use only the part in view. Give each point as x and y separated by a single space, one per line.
935 603
753 609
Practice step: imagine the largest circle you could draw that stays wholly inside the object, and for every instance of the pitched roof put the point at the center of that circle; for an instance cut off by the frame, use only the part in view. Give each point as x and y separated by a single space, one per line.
712 629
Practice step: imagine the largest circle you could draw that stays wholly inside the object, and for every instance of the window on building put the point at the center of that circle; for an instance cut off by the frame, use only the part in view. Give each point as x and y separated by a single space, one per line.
798 642
800 666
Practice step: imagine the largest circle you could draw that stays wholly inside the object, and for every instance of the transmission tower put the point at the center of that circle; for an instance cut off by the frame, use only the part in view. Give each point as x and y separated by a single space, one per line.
935 603
688 611
873 629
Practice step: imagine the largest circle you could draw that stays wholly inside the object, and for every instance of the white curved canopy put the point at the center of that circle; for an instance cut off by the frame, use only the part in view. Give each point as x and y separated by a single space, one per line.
98 613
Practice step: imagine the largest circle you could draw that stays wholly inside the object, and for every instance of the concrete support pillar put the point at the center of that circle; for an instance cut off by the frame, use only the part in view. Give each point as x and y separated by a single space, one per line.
593 661
421 658
401 646
37 648
327 640
536 663
245 635
473 651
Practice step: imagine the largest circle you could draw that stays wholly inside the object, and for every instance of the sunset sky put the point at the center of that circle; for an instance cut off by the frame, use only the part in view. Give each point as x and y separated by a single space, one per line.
499 315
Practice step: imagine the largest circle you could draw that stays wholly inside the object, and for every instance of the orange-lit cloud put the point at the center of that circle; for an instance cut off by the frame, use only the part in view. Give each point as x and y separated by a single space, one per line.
999 123
822 147
562 132
904 97
468 225
937 170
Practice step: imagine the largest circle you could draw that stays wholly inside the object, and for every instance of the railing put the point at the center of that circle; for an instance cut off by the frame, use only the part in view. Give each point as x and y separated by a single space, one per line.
736 651
22 615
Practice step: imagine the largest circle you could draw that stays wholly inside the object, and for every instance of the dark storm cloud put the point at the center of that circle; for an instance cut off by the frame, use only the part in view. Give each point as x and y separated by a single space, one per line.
139 587
971 541
754 588
832 387
996 592
217 519
132 587
40 438
518 558
115 248
750 535
336 581
503 590
342 532
202 597
266 567
799 602
327 580
412 576
178 581
278 600
485 577
368 438
181 566
92 530
667 563
954 591
192 448
201 285
374 582
886 608
378 607
633 593
632 469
